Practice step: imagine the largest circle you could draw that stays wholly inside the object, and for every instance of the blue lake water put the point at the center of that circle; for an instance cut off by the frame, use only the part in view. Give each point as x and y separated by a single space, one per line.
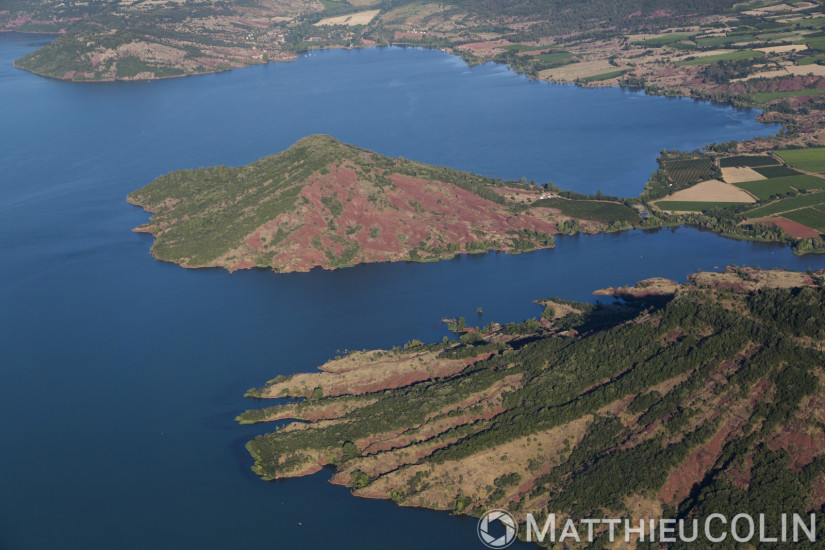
120 376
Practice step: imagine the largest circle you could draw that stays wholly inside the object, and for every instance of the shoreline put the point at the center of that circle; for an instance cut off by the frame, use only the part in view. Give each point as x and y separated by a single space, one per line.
469 63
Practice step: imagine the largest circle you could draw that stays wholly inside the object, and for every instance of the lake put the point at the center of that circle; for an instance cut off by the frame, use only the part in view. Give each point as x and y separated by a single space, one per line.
120 376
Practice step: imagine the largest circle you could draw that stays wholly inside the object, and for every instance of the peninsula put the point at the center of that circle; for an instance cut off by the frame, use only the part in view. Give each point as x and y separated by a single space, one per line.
686 400
765 54
322 203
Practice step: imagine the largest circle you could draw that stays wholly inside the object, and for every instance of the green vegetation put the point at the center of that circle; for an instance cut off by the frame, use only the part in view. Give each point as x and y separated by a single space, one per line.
786 205
552 59
748 160
731 56
776 171
812 60
765 189
599 211
664 40
524 48
694 206
721 358
811 160
811 217
607 76
533 64
763 97
686 172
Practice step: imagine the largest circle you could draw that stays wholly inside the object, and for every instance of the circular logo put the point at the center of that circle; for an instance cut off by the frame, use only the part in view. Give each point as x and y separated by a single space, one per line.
485 529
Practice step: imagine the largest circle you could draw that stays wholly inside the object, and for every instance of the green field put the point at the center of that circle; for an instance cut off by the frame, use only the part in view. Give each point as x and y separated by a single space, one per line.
606 76
815 22
747 160
693 206
762 97
816 43
717 41
809 60
785 205
809 183
812 160
599 211
660 41
332 4
811 217
750 37
730 56
524 48
765 189
685 172
553 57
776 171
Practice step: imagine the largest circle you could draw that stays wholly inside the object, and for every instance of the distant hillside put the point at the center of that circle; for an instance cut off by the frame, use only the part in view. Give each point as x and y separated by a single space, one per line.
322 203
146 40
700 398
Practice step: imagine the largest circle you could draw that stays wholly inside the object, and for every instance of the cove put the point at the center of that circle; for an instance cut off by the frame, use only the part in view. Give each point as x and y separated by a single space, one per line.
120 376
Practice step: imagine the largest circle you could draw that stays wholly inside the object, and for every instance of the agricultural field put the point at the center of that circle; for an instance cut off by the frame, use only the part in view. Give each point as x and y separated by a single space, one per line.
763 97
519 48
810 60
711 191
599 211
748 160
812 160
607 76
693 206
685 172
663 40
775 171
717 41
786 205
735 55
739 174
554 58
767 188
351 20
808 183
810 217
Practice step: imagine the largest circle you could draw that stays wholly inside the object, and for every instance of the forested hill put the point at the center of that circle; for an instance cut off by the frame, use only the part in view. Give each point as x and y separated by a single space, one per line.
700 398
322 203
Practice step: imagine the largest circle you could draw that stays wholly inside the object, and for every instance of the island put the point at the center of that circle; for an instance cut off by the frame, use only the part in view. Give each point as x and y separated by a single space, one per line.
679 401
323 203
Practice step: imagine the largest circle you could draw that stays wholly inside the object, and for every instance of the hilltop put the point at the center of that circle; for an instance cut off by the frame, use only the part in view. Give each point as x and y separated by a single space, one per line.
323 203
707 400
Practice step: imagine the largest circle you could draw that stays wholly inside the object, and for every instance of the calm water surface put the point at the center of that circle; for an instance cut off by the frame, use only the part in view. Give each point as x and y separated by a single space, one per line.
120 376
